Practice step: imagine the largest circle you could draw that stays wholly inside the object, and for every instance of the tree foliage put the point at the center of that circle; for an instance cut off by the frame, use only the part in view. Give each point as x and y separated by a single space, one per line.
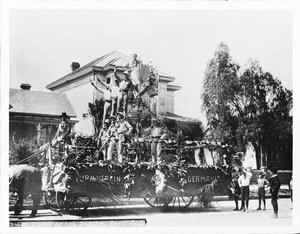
220 85
265 106
246 106
20 150
95 111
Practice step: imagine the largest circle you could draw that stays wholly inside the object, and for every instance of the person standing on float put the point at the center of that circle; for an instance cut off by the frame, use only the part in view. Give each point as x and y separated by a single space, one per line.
125 86
103 139
158 134
113 137
124 129
62 136
110 94
135 66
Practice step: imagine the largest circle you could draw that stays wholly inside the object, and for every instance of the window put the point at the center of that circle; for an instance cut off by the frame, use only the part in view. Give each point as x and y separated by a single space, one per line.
162 99
170 103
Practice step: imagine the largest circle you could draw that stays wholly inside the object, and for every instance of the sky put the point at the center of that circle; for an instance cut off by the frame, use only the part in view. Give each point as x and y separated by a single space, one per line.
44 43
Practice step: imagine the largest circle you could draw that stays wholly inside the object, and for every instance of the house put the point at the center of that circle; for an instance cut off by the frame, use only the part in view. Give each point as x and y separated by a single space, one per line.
76 85
36 114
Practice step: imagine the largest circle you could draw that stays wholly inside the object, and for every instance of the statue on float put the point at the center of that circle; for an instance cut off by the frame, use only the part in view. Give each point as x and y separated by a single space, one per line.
145 77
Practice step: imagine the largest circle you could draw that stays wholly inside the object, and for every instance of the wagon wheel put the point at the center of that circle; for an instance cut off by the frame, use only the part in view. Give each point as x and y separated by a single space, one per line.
181 201
61 201
78 201
13 198
174 202
158 201
50 200
13 202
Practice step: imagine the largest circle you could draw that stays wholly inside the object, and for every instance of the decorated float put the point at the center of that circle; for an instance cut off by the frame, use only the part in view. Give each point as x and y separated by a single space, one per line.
76 176
81 181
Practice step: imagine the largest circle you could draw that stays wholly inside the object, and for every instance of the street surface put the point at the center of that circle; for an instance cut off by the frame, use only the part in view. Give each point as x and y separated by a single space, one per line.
221 214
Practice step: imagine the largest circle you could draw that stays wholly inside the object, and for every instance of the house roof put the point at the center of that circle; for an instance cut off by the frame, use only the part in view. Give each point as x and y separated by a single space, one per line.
39 103
190 128
176 117
173 86
115 58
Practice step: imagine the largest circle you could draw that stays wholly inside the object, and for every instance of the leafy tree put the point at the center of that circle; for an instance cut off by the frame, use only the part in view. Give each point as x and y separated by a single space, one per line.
95 111
20 151
263 110
220 84
249 106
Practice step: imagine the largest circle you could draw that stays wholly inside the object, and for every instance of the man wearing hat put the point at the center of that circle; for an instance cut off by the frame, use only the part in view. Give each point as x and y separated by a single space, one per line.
62 135
103 138
274 184
63 130
244 182
125 87
124 129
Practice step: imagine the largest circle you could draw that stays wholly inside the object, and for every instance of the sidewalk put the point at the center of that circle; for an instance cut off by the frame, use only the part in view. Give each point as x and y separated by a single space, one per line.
283 193
221 214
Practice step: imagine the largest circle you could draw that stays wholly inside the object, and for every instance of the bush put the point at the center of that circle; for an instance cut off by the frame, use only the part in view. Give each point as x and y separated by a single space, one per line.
21 150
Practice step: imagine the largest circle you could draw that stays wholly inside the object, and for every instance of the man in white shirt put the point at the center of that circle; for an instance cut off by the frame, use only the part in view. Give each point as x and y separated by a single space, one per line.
125 86
244 182
110 95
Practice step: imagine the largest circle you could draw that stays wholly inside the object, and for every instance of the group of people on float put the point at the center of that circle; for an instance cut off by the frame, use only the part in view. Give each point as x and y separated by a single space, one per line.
132 84
116 129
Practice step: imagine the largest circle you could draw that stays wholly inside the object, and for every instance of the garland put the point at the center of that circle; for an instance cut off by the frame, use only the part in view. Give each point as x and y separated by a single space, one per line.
84 156
206 194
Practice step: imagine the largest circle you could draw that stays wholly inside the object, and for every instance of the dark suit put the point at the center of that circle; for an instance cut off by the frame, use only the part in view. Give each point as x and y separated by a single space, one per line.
274 183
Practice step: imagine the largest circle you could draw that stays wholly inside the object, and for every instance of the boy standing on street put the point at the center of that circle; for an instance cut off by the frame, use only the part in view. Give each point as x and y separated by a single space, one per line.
236 191
274 183
262 184
244 182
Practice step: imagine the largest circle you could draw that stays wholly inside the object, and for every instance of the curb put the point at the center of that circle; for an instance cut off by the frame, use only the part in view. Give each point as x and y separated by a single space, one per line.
140 201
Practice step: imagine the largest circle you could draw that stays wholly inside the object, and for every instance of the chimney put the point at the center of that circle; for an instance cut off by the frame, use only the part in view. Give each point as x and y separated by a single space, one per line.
75 66
25 86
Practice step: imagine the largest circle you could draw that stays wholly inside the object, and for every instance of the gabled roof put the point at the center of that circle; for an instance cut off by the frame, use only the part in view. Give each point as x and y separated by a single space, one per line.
115 58
39 103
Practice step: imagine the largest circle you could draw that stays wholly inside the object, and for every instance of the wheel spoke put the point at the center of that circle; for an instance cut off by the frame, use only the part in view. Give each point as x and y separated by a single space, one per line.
183 200
78 201
50 200
178 201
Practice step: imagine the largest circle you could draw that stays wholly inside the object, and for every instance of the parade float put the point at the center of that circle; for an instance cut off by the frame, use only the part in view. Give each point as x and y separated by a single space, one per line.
81 181
75 176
